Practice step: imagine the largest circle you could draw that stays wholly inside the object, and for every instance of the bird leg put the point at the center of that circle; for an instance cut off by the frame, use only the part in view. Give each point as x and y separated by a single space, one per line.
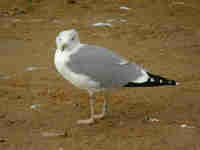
105 107
91 119
104 111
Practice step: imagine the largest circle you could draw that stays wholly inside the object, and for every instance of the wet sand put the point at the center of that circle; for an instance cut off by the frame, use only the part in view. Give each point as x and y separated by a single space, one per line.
39 109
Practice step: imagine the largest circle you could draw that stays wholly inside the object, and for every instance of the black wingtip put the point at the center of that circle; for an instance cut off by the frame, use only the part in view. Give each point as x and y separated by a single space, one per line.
154 80
171 82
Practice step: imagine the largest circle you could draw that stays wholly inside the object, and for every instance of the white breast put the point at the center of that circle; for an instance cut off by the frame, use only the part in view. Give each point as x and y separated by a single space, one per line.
79 80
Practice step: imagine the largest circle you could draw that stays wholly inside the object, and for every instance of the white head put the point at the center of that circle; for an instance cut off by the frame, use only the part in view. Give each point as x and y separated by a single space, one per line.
67 40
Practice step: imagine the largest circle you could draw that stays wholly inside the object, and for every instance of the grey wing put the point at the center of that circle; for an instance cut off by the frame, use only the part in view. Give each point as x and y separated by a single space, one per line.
104 66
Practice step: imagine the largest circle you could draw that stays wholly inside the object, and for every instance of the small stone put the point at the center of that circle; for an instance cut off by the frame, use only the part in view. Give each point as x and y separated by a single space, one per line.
34 106
72 1
31 68
146 118
3 140
99 24
19 97
124 8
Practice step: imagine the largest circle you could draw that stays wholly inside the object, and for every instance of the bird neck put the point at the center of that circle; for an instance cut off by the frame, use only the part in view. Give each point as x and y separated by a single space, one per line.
73 46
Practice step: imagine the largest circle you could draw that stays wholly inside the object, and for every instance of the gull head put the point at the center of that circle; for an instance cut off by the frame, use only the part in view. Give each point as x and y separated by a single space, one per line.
67 40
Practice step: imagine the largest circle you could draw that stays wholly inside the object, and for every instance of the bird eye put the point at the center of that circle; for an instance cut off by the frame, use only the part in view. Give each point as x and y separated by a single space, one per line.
73 38
64 46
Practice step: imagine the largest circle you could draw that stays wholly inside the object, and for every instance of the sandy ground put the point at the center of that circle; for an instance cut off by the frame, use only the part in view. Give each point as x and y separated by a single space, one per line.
39 109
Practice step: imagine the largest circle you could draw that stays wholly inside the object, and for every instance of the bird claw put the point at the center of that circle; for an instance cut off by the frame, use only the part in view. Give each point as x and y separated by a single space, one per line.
99 116
86 121
91 120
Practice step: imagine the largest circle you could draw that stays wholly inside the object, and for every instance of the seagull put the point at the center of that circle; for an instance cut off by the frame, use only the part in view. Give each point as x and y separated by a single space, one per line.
94 68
